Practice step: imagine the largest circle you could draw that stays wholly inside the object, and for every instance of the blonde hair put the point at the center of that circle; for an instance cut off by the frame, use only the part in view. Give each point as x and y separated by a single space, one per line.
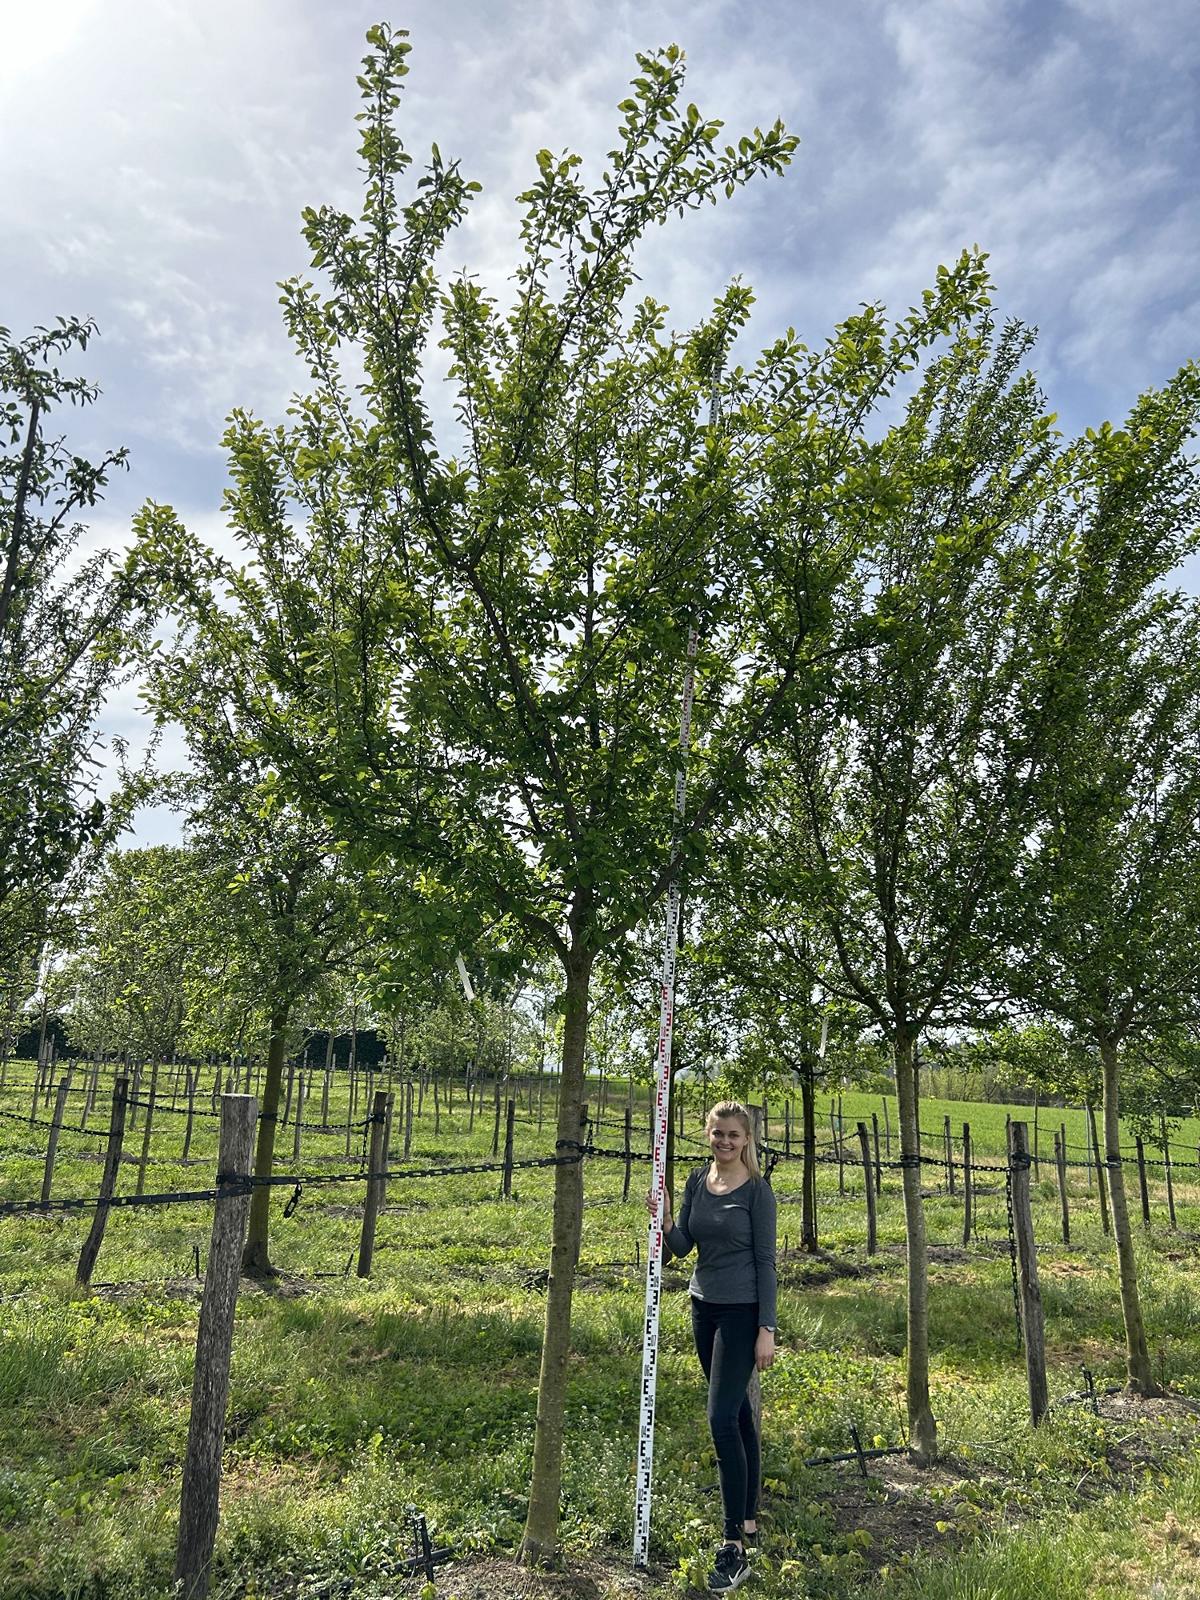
736 1110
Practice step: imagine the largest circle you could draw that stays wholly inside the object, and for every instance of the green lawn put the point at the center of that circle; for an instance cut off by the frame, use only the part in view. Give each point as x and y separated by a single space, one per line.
352 1401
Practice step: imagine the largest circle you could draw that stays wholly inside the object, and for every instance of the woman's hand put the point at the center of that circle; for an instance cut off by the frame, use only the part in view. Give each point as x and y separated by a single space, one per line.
764 1349
668 1221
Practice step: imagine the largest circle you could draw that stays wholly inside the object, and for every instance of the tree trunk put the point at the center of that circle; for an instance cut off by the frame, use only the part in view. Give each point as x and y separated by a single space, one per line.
1140 1379
255 1258
922 1429
808 1180
541 1525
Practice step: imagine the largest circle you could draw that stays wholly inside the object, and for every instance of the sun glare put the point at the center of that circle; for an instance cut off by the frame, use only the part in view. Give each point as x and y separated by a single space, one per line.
32 35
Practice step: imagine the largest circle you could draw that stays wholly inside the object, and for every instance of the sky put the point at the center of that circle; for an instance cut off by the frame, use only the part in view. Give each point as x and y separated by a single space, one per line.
155 156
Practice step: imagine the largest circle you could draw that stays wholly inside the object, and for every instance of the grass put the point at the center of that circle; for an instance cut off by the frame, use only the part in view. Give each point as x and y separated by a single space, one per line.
352 1401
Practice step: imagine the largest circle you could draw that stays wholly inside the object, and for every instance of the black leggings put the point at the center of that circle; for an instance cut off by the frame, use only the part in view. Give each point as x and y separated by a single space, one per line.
725 1338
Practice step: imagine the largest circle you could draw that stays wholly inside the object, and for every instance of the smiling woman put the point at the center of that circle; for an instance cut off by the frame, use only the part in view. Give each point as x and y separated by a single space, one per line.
728 1213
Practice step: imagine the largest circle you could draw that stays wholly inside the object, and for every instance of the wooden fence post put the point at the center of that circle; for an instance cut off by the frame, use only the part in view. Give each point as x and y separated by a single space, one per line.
385 1166
1101 1170
628 1150
199 1502
506 1180
968 1183
134 1093
1140 1152
408 1118
60 1108
878 1164
192 1078
496 1128
366 1245
1033 1325
1166 1150
89 1099
145 1156
865 1142
298 1123
108 1182
948 1141
1060 1168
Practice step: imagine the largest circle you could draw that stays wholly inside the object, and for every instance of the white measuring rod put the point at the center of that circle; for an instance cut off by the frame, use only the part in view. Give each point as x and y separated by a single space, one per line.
654 1247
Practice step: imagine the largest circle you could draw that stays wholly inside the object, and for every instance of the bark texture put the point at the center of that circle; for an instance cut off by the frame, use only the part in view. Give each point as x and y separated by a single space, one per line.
922 1428
256 1260
1138 1375
540 1542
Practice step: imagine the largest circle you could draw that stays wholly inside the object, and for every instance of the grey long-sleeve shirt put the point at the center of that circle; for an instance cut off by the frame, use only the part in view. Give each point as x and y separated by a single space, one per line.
735 1236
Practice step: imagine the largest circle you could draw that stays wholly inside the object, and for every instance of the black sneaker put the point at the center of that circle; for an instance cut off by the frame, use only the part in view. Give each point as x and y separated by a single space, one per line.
730 1570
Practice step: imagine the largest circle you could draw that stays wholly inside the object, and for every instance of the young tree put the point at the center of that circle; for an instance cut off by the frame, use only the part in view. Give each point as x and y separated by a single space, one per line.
1109 893
762 964
289 908
479 643
148 946
70 630
909 778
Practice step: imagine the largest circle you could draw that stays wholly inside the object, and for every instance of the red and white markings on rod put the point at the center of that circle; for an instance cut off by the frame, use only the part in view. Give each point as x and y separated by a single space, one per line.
654 1249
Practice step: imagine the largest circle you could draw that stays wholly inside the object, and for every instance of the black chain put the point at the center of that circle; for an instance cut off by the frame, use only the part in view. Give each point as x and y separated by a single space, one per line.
1012 1255
39 1122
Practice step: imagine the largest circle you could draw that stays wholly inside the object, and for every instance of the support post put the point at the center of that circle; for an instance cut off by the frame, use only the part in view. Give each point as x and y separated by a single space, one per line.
1060 1168
108 1182
214 1347
506 1180
192 1077
385 1164
968 1183
1101 1171
298 1124
1033 1326
869 1186
60 1109
366 1245
150 1103
1140 1150
1166 1150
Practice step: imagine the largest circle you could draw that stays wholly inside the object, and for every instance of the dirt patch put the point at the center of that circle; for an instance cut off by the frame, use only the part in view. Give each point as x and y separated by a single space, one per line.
800 1268
167 1289
895 1506
501 1578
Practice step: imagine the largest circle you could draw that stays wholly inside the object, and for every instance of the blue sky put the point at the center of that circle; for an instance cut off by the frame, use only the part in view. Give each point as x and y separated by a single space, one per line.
155 156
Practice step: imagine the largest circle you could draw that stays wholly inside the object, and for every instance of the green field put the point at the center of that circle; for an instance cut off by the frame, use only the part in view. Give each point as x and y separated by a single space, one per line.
352 1401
